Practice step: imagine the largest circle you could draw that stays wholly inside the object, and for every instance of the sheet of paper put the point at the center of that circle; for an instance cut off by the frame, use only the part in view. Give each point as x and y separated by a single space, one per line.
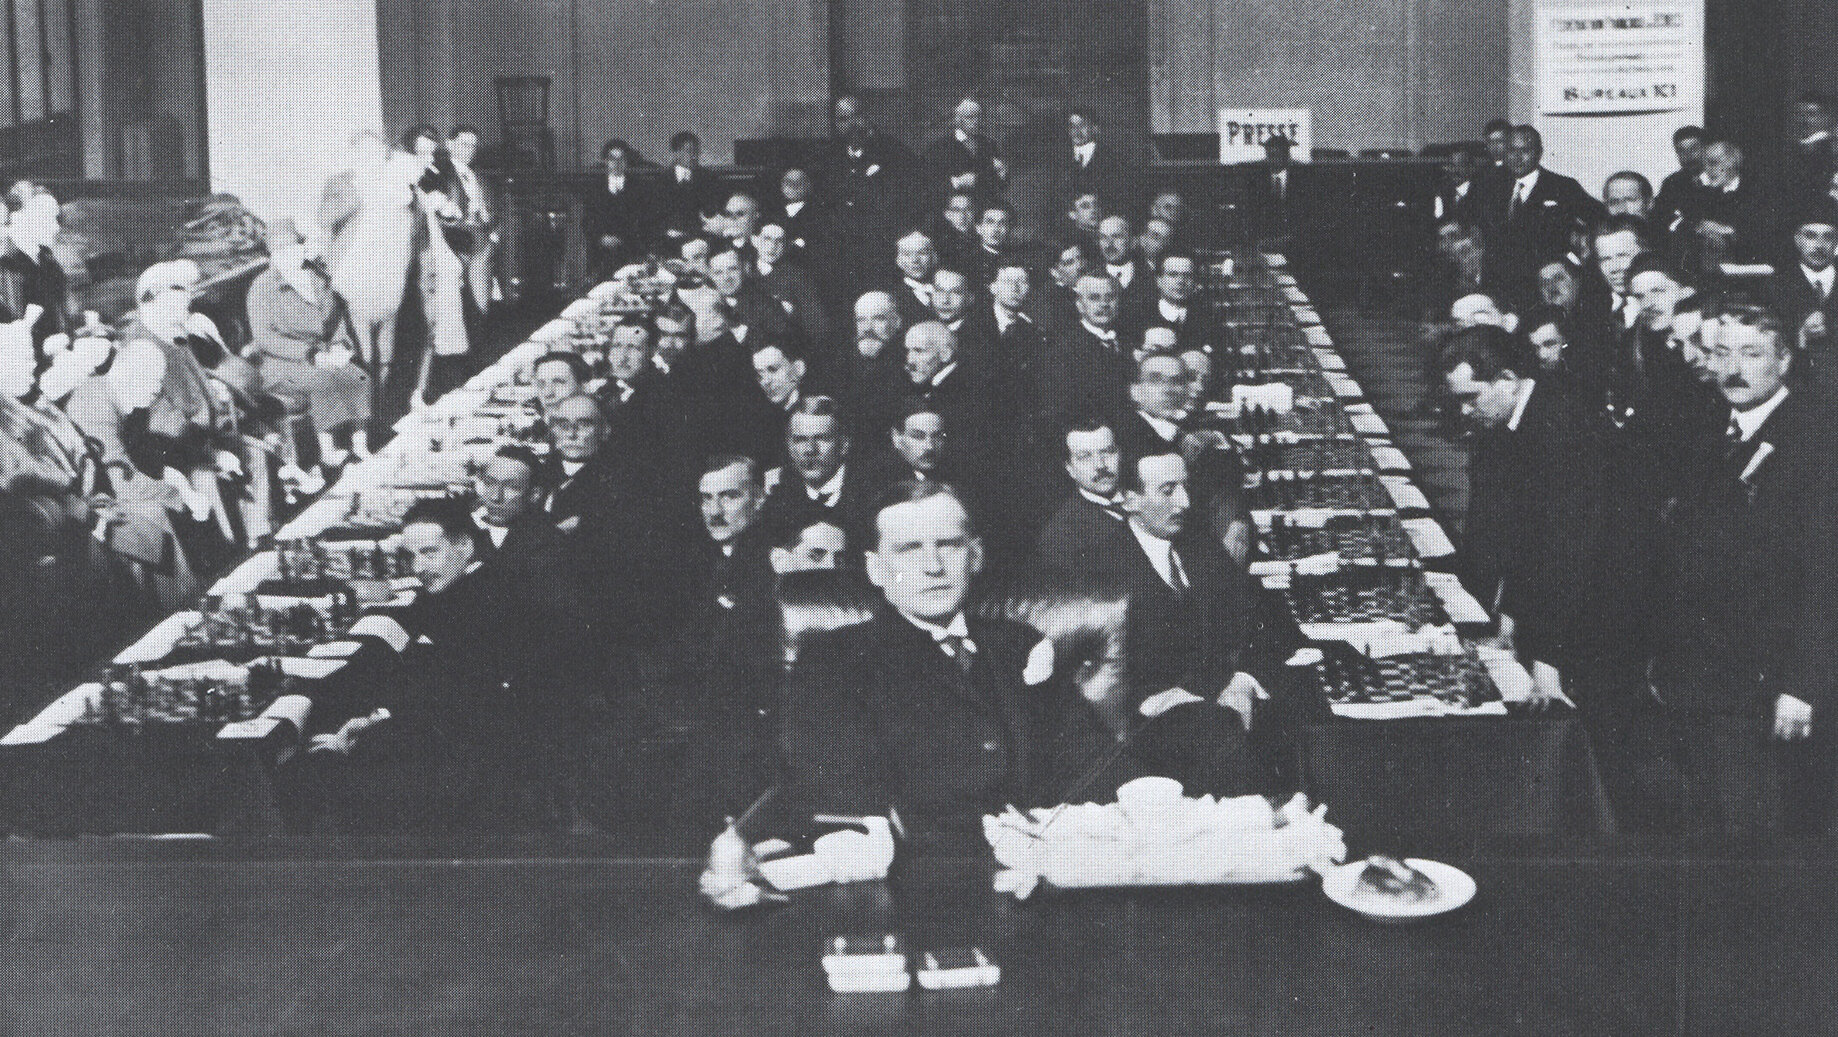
1390 458
158 643
1404 493
1429 538
1368 424
1456 601
1276 396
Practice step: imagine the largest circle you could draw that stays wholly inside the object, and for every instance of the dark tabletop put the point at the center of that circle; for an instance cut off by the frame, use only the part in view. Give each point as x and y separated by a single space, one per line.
148 937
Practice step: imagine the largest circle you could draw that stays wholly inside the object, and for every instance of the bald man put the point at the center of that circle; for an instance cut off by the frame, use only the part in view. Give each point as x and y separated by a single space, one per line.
966 159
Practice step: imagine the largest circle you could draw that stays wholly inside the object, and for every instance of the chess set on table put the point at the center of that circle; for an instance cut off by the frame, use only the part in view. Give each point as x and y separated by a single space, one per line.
1369 539
1313 456
1461 682
1366 596
187 697
1289 491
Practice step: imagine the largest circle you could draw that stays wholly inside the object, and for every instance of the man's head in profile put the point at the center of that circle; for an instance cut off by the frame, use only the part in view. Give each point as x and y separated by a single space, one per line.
926 552
442 542
930 348
919 436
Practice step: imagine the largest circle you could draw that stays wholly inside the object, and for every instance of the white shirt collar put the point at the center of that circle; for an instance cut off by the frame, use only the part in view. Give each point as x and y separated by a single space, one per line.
1525 183
1750 421
572 468
1525 396
1822 278
1124 272
493 530
1164 428
1817 137
1083 152
1160 551
1106 335
830 491
793 208
1107 503
962 137
682 174
1171 310
944 372
1005 316
958 627
615 182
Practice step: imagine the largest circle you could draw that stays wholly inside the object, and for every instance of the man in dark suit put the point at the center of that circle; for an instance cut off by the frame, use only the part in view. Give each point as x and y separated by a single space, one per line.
471 727
960 389
1688 143
1056 304
1087 368
869 375
1746 624
995 229
1192 624
804 223
1176 304
619 221
1088 164
749 304
966 160
929 710
818 482
1018 345
783 278
1801 293
518 539
686 197
1812 158
868 176
1117 247
1075 538
1529 214
1269 206
1727 218
1455 191
915 261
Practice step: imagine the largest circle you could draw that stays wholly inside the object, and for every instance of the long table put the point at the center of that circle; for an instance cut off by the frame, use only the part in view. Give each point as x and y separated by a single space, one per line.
137 937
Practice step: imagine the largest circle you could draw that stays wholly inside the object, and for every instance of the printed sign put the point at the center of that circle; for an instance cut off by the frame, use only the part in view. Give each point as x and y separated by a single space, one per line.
1640 58
1242 132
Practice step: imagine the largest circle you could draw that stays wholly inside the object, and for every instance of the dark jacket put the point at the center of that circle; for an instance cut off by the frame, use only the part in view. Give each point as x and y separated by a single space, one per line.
877 716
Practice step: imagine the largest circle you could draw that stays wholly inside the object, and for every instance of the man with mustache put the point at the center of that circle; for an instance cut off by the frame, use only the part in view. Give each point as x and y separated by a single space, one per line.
1744 657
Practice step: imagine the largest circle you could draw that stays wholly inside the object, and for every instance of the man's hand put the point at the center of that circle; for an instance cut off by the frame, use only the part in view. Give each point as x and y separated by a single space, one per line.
1547 687
1814 327
346 738
1241 694
569 524
1161 702
1507 629
1792 719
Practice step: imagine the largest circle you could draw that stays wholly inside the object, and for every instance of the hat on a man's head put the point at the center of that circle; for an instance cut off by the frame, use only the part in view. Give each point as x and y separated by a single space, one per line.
1816 211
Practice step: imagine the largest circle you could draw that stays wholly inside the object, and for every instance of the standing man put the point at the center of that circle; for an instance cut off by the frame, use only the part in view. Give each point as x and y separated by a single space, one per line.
473 235
1746 628
1528 214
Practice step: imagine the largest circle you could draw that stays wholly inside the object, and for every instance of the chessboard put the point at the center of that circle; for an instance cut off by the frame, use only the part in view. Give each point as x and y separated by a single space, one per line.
1314 455
132 700
1327 492
1326 421
1366 596
1377 539
1458 681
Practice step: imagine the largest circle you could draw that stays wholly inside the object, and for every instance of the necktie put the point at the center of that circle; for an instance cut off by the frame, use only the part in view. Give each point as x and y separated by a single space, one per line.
625 391
1732 438
1177 574
1819 288
960 649
1518 200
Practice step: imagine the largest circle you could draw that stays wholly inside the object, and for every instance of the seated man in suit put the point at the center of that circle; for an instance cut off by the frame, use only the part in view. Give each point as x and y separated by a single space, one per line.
1726 218
1176 304
916 259
818 482
557 376
1093 462
470 729
1193 635
1117 247
1801 293
1688 143
1627 193
929 710
1086 367
995 230
518 539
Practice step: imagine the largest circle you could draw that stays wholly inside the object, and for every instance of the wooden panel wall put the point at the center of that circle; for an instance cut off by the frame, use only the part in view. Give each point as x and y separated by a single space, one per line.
1377 73
618 68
